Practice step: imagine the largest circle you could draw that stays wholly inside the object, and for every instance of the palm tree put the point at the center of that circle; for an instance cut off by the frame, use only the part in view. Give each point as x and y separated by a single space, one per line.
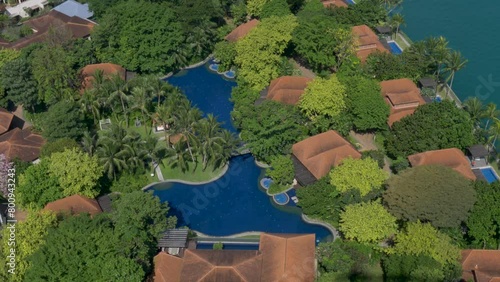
398 20
454 63
90 103
210 141
89 143
179 57
133 151
119 90
157 87
154 150
141 100
185 120
110 157
164 115
494 132
475 108
177 155
490 113
437 48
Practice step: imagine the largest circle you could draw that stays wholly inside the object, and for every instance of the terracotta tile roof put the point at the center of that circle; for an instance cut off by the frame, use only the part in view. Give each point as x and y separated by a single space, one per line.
321 152
167 268
288 257
241 30
336 3
287 89
80 28
452 158
209 265
75 204
281 257
108 69
21 143
403 96
6 118
367 41
481 265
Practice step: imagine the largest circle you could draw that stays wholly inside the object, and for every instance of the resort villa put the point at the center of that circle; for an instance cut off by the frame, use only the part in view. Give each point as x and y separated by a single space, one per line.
87 73
314 157
79 28
23 7
452 158
17 140
334 3
280 257
403 96
286 89
481 265
74 205
367 42
242 30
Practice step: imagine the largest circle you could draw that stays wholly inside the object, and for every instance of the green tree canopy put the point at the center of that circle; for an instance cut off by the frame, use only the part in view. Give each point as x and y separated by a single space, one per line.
363 175
272 129
225 51
278 8
433 126
259 52
423 239
417 268
30 235
57 146
63 120
367 222
37 186
77 172
282 170
323 97
18 82
368 108
432 193
484 220
254 7
141 36
100 256
128 182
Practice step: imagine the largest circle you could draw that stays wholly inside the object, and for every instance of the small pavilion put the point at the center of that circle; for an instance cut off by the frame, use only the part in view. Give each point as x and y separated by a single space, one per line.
478 155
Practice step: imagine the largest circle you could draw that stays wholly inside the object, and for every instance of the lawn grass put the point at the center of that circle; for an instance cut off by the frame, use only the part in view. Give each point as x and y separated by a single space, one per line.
198 175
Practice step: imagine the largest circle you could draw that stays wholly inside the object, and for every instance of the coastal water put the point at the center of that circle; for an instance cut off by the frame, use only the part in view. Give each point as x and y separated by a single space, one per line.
470 27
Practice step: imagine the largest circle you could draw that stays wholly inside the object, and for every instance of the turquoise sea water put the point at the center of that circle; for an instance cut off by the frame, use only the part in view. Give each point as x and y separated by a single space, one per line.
473 29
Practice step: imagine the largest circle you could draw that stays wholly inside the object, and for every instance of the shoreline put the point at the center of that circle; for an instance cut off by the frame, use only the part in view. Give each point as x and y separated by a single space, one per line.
195 65
215 178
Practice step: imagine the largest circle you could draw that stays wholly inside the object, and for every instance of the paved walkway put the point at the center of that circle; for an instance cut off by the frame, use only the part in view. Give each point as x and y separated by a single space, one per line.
305 71
158 172
366 140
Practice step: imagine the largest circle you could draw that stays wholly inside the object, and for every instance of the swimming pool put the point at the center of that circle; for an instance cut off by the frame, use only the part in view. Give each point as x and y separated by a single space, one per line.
281 199
350 2
266 182
395 49
489 174
234 203
208 91
214 67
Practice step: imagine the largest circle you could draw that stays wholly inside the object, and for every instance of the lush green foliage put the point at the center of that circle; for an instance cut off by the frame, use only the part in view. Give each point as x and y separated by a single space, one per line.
418 268
128 182
363 175
100 254
259 53
484 221
366 105
17 81
29 237
432 193
367 222
423 239
323 97
272 130
37 186
77 172
140 36
433 126
282 170
369 12
63 120
376 155
225 52
254 7
278 8
58 146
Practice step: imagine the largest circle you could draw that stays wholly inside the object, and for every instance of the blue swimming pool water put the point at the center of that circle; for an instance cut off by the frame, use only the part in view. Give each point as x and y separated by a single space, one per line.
350 2
489 174
209 246
394 48
214 67
266 182
281 199
233 204
209 91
